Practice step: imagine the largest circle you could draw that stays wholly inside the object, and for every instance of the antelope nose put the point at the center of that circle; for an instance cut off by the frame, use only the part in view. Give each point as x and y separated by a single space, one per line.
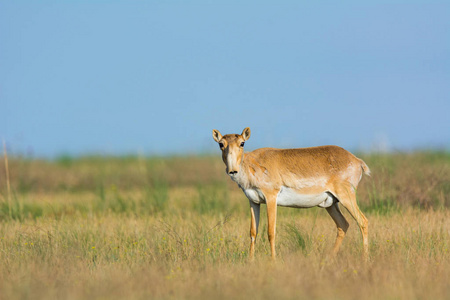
232 172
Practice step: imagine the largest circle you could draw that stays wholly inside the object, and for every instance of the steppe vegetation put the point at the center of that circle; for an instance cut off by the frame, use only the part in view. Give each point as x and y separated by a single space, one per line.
178 227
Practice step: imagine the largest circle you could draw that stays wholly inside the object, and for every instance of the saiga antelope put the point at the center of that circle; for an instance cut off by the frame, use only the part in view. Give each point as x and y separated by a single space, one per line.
302 178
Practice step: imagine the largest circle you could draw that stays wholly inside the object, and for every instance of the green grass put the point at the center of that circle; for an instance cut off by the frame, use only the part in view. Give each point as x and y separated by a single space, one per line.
169 228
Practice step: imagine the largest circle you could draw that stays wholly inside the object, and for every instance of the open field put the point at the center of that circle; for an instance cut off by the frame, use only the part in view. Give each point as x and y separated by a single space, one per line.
140 228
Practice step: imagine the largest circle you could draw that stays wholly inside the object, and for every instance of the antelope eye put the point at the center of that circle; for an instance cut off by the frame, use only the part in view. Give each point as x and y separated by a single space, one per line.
242 144
220 145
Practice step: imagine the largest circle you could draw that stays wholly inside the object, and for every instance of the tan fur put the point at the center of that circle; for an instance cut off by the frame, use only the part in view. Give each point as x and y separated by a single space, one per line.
307 171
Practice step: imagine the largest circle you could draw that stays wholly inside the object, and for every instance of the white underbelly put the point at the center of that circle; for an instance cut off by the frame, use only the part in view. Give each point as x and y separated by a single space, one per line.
292 198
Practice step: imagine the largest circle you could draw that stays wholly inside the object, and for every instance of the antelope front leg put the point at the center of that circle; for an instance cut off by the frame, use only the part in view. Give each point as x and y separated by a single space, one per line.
271 200
254 209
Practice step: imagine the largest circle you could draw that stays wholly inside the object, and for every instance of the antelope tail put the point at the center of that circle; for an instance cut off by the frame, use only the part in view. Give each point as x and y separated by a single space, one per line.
365 168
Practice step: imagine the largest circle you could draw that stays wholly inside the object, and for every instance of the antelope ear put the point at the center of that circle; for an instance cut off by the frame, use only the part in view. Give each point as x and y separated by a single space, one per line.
216 135
246 133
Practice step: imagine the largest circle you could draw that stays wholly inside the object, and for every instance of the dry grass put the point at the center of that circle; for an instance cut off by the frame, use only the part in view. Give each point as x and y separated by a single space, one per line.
177 228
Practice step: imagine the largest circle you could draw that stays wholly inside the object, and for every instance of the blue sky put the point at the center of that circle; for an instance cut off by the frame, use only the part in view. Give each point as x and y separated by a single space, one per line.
155 77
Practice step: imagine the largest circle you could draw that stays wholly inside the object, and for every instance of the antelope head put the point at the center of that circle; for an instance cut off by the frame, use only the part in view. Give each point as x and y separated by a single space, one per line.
232 146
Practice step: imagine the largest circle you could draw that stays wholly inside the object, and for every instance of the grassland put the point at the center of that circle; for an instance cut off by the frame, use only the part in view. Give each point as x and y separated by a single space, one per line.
170 228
